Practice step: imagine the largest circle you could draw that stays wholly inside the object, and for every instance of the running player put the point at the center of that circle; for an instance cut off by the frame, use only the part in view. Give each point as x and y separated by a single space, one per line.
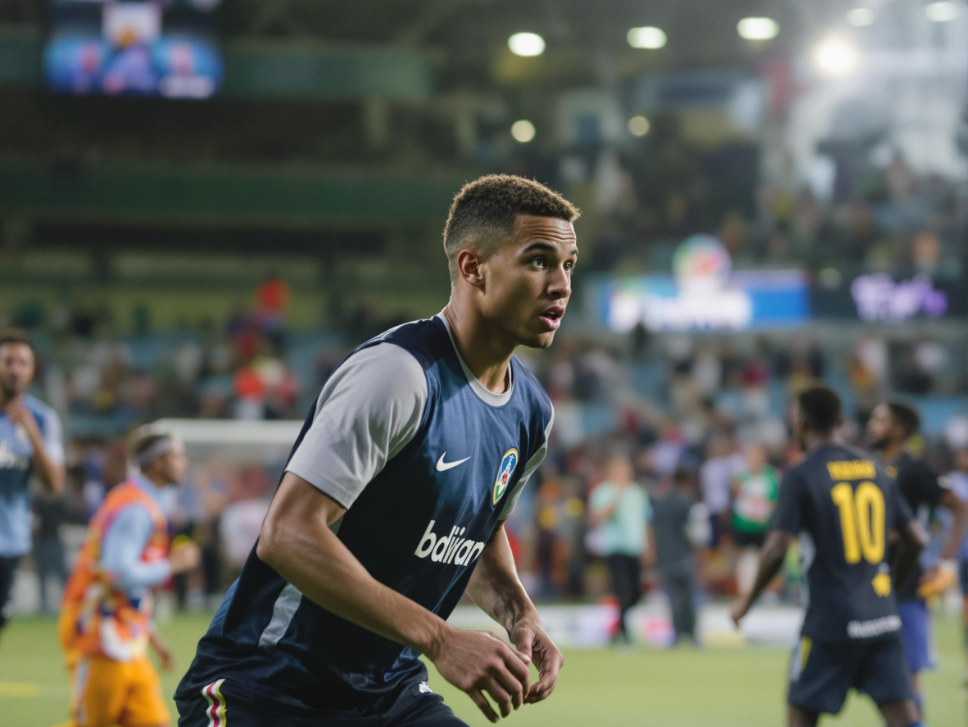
842 508
30 444
415 452
105 624
891 426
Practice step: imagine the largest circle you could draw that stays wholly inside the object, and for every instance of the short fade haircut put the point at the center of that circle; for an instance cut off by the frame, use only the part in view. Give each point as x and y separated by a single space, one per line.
905 414
820 407
17 336
484 210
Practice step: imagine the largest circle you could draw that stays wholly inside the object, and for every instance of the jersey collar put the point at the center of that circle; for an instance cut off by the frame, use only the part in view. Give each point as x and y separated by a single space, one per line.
483 393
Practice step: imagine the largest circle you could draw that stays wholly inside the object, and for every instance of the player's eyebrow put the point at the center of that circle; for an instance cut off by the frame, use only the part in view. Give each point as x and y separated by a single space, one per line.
546 246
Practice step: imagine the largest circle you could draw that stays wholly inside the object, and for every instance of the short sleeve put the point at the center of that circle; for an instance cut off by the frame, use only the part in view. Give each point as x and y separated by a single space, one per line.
367 412
54 437
532 464
921 478
789 509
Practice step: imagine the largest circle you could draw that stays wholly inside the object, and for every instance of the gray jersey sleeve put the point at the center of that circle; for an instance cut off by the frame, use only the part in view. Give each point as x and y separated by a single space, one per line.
368 411
532 464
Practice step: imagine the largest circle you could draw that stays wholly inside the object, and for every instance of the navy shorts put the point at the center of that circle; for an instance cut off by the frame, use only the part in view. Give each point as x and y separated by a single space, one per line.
413 705
918 636
822 673
8 571
963 575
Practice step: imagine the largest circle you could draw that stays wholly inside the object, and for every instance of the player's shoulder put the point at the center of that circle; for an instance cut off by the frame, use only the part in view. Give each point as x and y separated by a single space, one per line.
42 411
425 340
533 390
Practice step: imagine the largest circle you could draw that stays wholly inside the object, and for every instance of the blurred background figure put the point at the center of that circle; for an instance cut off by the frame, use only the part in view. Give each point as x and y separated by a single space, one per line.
755 491
673 524
619 510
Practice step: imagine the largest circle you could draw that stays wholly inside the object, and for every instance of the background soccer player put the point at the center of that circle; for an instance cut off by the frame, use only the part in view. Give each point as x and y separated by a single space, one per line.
106 625
891 426
418 447
31 443
843 508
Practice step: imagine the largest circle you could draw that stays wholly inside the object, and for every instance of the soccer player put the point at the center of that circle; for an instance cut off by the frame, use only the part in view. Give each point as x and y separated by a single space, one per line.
889 428
394 499
105 624
843 509
31 443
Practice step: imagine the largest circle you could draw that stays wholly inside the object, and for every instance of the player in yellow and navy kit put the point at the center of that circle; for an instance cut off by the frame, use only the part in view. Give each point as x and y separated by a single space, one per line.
843 509
890 428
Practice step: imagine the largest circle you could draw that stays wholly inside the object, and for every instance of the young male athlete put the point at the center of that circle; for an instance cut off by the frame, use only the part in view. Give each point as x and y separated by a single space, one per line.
891 425
105 624
31 444
415 452
843 509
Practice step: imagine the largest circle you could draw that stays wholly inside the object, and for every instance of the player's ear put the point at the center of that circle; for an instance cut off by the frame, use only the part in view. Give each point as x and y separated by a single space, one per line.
469 267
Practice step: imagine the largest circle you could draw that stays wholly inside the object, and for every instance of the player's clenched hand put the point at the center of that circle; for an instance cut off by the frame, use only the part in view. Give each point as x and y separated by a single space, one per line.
477 662
535 645
739 609
184 557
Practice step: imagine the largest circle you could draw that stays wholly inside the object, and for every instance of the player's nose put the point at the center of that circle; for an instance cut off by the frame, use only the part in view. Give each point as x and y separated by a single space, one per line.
560 284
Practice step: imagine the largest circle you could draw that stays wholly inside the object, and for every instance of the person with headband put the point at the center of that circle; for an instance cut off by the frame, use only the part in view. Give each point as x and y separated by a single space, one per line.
106 621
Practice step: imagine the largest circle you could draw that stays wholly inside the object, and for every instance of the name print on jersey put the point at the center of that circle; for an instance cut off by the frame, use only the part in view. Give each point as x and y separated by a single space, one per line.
448 548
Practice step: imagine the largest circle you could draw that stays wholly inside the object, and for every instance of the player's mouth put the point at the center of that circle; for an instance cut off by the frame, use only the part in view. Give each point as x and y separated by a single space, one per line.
551 317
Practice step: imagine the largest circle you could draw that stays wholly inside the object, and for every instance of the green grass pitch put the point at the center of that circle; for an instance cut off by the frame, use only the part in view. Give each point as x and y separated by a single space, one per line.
726 687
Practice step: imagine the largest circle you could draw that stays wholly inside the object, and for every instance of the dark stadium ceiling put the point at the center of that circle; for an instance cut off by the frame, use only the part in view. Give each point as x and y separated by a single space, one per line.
700 32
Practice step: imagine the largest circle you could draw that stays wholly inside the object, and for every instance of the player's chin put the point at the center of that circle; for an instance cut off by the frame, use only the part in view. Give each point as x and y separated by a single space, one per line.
543 339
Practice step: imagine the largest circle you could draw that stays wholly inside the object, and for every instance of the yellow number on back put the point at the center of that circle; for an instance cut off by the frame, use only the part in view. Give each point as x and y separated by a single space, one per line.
861 521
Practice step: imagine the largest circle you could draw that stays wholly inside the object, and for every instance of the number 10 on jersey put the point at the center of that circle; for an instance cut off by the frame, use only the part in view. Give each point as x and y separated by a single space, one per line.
861 521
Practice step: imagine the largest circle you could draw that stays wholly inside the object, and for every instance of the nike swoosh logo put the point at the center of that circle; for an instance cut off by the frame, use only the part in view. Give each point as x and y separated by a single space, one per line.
444 466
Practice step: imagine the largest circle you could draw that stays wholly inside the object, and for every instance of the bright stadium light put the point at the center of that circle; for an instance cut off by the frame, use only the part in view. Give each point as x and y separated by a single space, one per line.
522 131
646 37
639 126
526 44
757 28
835 57
941 12
860 17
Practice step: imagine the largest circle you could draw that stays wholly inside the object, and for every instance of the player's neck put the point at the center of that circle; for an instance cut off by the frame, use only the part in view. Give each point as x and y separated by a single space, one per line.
816 441
893 451
483 351
158 482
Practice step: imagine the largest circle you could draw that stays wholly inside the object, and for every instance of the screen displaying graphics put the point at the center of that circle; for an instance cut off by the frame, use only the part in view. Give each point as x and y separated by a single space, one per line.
138 48
704 293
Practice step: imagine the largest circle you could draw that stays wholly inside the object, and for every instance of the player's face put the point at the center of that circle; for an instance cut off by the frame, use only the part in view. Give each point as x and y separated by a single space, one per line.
527 281
175 463
16 369
881 430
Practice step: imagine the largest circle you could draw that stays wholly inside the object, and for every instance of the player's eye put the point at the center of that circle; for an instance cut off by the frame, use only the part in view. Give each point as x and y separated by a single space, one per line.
538 261
570 266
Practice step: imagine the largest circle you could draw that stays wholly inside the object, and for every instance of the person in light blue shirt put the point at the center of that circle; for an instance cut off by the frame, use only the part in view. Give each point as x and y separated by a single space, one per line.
31 445
620 512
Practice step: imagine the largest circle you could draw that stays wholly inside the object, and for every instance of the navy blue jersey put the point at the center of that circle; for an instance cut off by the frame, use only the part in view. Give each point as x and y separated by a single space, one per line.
418 525
923 490
842 507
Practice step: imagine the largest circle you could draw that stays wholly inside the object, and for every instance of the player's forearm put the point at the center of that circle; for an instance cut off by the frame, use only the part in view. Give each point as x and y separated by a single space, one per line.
959 522
310 557
772 556
51 472
904 560
495 585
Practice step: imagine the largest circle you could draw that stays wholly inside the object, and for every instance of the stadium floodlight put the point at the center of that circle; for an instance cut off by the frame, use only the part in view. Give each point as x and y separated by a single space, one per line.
757 28
522 130
526 44
860 17
941 12
647 37
835 57
639 126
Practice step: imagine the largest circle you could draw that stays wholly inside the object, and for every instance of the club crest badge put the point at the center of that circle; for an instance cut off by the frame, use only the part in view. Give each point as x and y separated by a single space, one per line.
508 462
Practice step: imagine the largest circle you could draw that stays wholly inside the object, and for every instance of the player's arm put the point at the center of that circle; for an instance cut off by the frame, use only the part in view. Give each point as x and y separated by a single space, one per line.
496 588
123 543
786 522
48 458
944 573
297 542
912 541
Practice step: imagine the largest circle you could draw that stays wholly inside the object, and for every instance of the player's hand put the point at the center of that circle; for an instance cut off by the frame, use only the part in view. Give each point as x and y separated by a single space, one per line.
165 657
17 413
184 557
937 579
738 610
478 662
535 645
